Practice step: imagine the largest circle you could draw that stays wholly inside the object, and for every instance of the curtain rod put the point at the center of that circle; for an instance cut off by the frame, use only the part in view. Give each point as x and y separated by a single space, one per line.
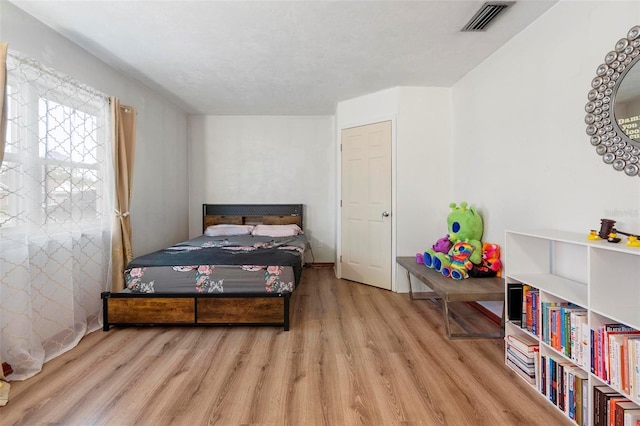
37 65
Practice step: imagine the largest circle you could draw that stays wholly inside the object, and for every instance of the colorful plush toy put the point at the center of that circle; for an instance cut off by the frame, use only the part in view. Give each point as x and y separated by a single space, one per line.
491 256
459 263
464 225
491 265
443 245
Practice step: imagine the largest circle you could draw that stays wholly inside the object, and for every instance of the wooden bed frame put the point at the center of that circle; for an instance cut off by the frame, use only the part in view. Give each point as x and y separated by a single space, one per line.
124 309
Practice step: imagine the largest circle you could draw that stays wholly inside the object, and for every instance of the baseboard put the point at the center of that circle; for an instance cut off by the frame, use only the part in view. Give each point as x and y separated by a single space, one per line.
319 265
486 312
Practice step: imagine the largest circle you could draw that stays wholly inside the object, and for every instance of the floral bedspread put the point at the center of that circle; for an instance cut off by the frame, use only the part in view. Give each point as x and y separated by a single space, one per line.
239 264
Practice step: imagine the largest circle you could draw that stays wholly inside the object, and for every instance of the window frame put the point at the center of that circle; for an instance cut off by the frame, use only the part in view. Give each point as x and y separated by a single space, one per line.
25 154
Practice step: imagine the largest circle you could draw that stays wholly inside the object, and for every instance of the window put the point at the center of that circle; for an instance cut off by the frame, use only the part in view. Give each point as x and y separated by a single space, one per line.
53 171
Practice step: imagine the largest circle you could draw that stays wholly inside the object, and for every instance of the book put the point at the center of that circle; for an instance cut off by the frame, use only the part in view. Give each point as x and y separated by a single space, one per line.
631 418
585 402
514 293
609 330
566 336
625 409
525 289
544 320
599 404
611 407
524 356
560 402
570 393
553 326
614 349
585 343
522 342
531 380
577 392
594 350
528 368
577 320
633 355
553 381
615 354
534 312
530 301
578 383
636 391
543 375
625 362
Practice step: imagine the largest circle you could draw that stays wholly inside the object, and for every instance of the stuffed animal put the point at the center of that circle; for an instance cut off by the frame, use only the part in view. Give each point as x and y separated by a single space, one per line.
464 225
443 245
491 265
459 263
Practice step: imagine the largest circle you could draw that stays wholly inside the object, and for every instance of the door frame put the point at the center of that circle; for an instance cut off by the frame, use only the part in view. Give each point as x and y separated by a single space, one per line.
339 129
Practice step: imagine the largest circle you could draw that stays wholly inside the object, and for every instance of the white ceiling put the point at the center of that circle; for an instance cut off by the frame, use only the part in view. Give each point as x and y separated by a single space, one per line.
282 57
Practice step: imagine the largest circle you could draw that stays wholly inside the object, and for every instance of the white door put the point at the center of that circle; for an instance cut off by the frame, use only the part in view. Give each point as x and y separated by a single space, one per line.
366 204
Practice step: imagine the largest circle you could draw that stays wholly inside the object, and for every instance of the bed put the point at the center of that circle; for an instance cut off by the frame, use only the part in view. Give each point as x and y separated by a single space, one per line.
241 271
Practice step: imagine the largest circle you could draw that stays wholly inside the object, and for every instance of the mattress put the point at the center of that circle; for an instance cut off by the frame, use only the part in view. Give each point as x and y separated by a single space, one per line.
242 264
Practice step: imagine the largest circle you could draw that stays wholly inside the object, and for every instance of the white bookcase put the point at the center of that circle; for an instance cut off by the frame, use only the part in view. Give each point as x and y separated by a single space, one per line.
601 277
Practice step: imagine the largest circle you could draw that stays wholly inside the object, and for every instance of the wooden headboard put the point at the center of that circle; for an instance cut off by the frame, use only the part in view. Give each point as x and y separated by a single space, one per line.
251 214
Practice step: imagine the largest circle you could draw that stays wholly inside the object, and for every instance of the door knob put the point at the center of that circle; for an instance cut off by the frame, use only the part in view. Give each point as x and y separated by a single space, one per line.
385 214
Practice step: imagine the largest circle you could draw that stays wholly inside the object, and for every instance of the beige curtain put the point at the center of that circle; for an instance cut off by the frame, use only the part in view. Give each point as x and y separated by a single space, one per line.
3 88
124 125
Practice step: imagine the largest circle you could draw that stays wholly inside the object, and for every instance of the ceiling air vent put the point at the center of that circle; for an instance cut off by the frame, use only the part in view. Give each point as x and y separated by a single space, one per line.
486 15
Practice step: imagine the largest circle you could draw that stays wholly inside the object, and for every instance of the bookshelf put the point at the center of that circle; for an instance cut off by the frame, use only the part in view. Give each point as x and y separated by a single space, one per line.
575 303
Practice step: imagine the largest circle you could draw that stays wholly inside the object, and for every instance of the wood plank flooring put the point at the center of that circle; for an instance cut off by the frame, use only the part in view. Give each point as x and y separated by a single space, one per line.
355 355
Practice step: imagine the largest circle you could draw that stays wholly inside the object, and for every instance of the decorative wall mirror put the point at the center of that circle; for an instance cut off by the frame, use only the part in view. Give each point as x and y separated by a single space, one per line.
613 110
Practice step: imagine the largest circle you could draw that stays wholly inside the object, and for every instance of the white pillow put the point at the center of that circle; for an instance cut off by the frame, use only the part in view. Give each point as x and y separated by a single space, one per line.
227 229
276 230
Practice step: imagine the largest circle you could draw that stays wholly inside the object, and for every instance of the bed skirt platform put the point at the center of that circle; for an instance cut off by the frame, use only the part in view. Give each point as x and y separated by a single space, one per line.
127 309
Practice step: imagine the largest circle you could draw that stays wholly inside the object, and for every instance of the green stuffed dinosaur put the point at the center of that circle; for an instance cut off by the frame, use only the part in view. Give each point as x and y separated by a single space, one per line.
465 225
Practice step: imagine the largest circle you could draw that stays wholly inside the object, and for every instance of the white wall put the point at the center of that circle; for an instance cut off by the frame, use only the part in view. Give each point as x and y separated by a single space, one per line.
521 151
421 145
266 159
160 177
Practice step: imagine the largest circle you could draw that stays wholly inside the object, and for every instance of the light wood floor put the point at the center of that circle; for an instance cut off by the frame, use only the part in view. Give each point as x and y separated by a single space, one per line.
355 355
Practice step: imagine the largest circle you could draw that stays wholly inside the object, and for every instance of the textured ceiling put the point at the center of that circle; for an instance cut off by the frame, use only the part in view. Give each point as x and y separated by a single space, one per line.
282 57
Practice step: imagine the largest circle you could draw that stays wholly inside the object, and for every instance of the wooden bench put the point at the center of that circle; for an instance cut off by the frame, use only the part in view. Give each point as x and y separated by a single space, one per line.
445 290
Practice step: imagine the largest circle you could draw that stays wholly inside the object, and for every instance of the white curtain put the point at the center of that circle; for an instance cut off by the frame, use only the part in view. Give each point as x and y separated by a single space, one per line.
56 205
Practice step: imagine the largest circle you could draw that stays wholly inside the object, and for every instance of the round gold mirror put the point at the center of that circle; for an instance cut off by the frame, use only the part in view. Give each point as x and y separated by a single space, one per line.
613 110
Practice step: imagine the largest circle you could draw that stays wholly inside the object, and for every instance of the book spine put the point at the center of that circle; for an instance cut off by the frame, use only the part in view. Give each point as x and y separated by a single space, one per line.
594 359
613 361
585 340
543 375
577 395
597 395
553 394
637 368
585 401
573 337
552 327
624 364
601 371
631 355
563 331
560 402
534 312
571 406
528 304
525 291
